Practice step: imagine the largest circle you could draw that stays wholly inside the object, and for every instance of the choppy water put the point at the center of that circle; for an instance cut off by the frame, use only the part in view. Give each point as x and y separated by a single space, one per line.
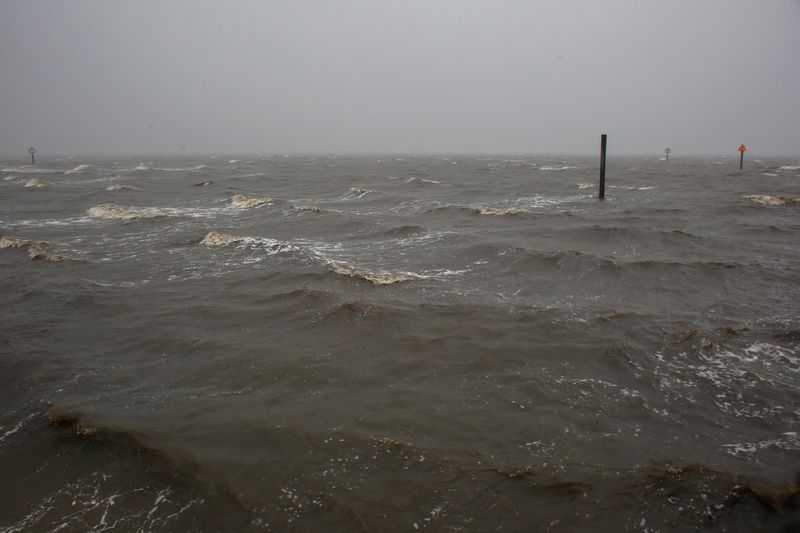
398 343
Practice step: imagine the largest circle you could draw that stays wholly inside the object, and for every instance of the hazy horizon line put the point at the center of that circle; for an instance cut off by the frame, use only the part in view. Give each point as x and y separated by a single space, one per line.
673 154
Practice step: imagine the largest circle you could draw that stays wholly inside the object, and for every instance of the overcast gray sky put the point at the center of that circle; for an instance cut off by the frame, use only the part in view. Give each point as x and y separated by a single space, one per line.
533 76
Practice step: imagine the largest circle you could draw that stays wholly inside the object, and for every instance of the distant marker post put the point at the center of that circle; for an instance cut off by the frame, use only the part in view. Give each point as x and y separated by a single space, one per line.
668 151
602 193
742 150
32 151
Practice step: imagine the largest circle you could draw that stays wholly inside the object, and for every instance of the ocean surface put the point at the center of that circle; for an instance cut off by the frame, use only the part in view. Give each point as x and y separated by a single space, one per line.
399 343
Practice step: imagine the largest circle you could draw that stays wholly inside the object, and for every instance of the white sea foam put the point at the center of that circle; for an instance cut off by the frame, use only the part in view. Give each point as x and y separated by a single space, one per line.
586 185
240 200
785 441
79 169
37 250
271 246
766 199
376 278
564 167
181 169
790 167
121 212
499 211
32 170
119 187
35 183
356 193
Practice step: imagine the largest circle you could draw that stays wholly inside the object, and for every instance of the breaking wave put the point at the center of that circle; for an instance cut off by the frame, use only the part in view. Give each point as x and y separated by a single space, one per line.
356 193
35 183
79 169
773 200
121 212
119 187
37 250
312 208
240 200
217 238
564 167
376 278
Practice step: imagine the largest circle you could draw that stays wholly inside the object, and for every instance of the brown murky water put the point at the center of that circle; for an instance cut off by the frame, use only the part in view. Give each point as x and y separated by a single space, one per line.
398 343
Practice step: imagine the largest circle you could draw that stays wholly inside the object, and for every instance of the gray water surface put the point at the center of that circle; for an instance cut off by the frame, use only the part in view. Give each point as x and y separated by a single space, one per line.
394 343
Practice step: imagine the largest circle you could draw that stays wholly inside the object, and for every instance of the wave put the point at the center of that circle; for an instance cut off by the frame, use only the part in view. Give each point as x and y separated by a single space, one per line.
79 169
421 180
36 183
488 211
356 193
119 187
246 202
500 211
184 169
9 178
376 278
203 183
31 170
403 231
37 250
773 200
312 208
564 167
790 167
217 238
319 253
121 212
586 185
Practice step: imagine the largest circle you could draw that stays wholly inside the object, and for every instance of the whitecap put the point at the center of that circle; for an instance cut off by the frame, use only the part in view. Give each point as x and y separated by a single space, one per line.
420 180
121 212
766 199
564 167
356 193
376 278
240 200
499 211
790 167
272 246
35 183
79 169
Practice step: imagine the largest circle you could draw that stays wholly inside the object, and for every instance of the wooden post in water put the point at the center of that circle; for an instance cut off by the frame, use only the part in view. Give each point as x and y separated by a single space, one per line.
602 194
742 150
32 151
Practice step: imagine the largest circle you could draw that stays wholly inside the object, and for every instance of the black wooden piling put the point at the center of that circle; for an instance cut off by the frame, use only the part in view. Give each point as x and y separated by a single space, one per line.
602 166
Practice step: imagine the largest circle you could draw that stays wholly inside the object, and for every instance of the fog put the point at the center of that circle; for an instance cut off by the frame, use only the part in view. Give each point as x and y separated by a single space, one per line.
497 76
